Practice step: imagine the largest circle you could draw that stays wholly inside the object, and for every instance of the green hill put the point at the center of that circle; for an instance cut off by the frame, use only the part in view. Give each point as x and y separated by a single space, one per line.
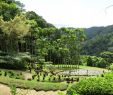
99 39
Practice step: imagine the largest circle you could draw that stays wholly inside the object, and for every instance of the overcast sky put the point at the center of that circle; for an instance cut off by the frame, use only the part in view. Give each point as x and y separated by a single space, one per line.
73 13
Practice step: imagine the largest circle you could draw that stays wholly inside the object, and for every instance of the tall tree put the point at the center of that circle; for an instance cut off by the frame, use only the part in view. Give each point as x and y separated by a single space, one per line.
9 9
14 31
39 20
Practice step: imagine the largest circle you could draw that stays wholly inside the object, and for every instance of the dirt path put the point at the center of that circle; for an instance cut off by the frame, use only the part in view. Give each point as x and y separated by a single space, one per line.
5 90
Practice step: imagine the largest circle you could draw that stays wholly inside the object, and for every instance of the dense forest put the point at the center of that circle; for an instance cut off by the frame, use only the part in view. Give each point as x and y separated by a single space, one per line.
99 39
25 37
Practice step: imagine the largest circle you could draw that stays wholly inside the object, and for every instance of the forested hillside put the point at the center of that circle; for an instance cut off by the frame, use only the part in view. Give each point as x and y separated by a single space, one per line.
37 56
26 38
99 39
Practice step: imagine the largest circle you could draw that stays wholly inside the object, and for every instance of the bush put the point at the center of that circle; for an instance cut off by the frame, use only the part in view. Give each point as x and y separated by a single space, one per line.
108 75
5 73
13 89
92 86
97 62
111 67
14 61
0 73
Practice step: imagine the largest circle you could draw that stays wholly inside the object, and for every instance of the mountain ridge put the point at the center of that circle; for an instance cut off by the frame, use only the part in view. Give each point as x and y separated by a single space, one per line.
98 39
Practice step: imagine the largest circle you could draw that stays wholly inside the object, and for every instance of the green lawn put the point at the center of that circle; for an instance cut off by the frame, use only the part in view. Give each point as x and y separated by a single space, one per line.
80 67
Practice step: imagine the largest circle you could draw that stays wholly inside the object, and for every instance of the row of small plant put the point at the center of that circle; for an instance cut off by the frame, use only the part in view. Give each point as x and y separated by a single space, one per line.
11 74
66 67
45 77
41 77
25 84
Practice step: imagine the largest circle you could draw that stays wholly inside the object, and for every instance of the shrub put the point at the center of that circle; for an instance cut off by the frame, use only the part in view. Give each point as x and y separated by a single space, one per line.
59 77
111 67
5 74
54 78
11 74
13 89
108 75
96 62
0 73
43 78
38 79
92 86
33 77
14 61
49 79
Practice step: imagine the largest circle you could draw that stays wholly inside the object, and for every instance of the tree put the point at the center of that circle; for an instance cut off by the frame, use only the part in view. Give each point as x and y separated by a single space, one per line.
39 20
72 39
9 9
14 31
89 61
108 56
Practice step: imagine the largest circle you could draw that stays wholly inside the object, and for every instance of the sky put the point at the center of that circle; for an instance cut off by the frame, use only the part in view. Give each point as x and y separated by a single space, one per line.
73 13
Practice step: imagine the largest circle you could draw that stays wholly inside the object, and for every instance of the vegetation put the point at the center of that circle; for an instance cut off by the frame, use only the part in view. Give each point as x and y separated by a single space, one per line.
44 53
25 84
93 86
99 39
13 89
30 34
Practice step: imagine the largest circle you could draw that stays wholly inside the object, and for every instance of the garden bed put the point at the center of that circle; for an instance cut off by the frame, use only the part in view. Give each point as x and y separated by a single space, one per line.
38 86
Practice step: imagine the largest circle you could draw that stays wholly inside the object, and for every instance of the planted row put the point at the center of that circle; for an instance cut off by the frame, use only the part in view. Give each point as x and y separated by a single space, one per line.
11 74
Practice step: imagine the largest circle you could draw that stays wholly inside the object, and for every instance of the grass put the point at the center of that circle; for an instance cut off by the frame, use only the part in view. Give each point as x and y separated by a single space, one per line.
45 84
25 84
5 90
65 66
94 68
68 67
41 77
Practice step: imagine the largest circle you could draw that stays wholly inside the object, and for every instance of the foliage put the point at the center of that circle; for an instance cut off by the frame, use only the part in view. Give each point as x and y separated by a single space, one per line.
96 62
108 75
108 56
111 67
99 39
9 9
83 59
51 68
11 74
92 86
61 93
12 28
13 89
39 20
12 33
25 84
14 61
28 32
